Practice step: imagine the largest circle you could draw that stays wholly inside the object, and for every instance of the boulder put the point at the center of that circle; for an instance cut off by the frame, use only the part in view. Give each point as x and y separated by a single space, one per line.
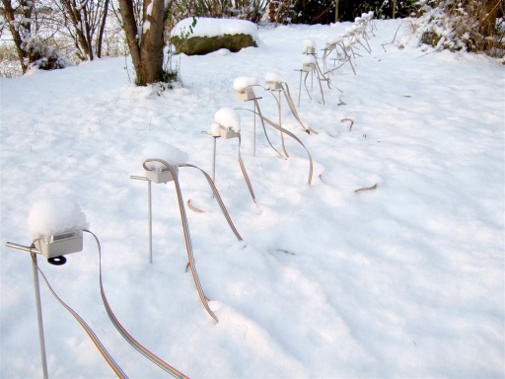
204 35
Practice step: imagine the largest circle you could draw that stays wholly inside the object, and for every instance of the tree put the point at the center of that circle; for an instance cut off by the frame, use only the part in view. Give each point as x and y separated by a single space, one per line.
20 27
145 37
83 19
32 50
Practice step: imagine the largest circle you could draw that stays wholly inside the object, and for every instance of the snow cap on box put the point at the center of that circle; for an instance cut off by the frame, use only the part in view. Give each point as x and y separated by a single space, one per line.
228 118
242 82
309 46
215 130
165 152
274 77
53 216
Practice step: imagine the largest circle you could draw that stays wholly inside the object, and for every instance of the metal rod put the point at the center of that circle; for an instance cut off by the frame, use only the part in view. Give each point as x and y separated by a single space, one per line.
300 88
143 178
254 129
321 88
21 247
214 162
150 221
311 81
39 315
280 115
149 213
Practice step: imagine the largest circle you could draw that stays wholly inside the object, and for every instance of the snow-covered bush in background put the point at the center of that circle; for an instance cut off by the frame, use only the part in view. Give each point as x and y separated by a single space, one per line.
470 25
250 10
44 57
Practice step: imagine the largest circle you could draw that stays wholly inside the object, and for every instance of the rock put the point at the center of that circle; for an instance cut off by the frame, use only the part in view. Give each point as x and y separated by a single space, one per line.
211 34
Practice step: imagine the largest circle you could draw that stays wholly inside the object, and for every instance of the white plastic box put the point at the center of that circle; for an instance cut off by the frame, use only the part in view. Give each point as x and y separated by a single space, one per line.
228 133
161 175
61 244
308 67
273 86
246 95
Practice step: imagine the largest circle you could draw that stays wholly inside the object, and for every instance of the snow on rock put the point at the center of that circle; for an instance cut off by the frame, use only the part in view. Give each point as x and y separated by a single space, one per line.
165 152
53 216
241 83
212 27
228 118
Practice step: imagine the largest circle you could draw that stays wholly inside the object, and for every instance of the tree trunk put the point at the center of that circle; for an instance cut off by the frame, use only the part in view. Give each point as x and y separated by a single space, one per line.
102 29
151 46
9 15
75 17
22 32
130 29
146 50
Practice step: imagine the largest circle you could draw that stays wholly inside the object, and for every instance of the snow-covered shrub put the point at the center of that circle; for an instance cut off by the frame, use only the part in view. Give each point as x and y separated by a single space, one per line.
250 10
465 25
43 56
9 62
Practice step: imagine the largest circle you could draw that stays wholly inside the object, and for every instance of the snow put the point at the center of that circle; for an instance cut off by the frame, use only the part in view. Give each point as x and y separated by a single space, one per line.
146 26
273 76
149 9
228 118
309 46
242 83
165 152
309 60
406 280
53 216
212 27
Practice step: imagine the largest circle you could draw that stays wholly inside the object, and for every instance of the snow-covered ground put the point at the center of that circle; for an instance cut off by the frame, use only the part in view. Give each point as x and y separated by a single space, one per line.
406 280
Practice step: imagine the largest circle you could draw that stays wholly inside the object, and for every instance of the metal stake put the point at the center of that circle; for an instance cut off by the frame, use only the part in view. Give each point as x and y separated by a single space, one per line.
39 315
33 251
149 214
214 163
254 129
300 88
150 220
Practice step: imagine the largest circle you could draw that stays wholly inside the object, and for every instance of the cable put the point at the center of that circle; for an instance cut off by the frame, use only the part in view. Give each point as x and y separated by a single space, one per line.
187 236
218 199
132 341
112 363
278 127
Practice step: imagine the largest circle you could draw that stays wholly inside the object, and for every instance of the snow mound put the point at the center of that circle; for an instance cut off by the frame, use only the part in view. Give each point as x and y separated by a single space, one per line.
54 216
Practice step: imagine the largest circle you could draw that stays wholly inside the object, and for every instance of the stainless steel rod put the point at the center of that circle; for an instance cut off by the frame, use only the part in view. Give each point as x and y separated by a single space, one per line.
150 221
39 315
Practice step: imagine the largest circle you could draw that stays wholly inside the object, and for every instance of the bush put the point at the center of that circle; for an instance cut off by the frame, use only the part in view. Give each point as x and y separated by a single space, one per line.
250 10
323 11
469 25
